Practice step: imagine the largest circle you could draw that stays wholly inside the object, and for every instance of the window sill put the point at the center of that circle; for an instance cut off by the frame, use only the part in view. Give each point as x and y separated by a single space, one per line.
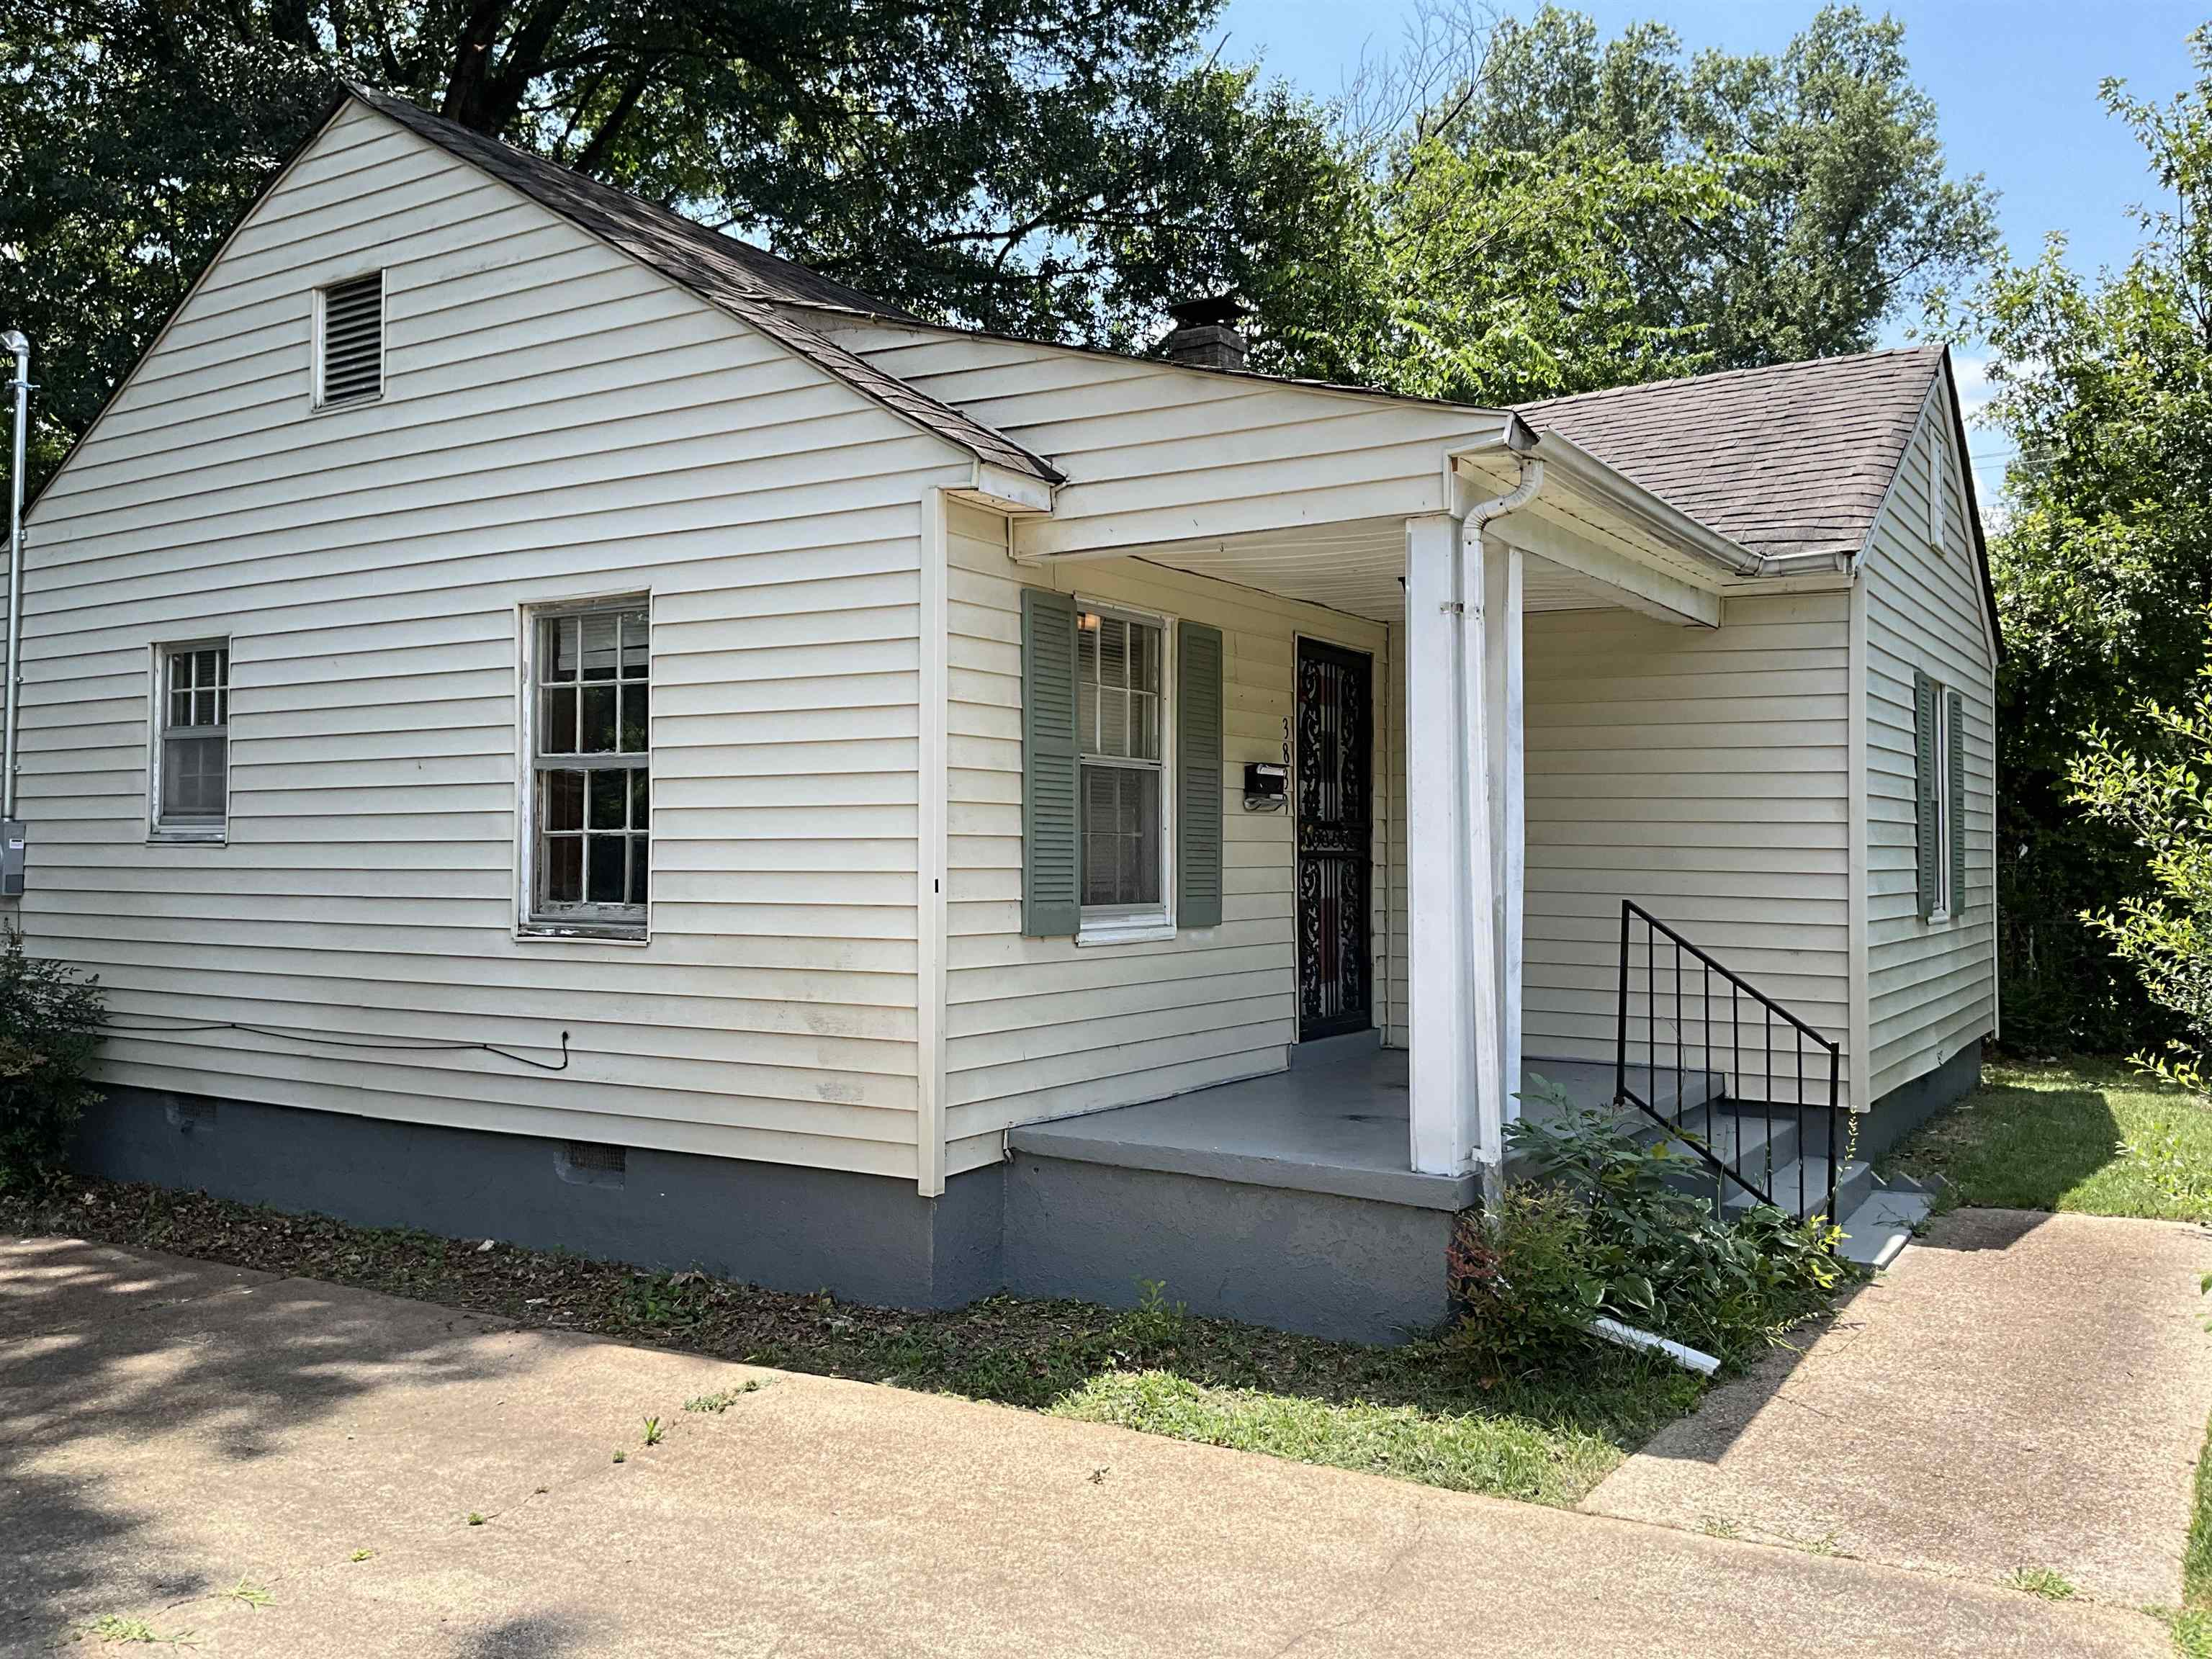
1126 930
545 933
159 837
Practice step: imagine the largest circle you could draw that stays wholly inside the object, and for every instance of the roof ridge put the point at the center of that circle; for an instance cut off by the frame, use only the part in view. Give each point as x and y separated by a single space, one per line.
1795 365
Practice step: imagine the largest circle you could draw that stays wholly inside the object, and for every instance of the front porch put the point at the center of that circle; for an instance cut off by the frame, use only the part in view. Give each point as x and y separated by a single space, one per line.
1336 1122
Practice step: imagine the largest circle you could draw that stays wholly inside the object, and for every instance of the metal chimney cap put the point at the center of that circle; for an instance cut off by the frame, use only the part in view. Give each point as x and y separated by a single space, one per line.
14 340
1218 310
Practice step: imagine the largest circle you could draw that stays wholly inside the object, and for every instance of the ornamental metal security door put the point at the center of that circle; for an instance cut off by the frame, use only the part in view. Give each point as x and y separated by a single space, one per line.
1334 748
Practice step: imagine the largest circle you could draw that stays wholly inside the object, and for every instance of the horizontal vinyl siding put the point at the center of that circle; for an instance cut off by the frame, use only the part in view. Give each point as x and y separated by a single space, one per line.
557 422
1702 772
1931 986
1039 1028
1155 452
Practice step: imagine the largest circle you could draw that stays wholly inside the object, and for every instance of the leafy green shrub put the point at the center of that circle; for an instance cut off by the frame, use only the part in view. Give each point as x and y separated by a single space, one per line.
1524 1278
1599 1229
49 1021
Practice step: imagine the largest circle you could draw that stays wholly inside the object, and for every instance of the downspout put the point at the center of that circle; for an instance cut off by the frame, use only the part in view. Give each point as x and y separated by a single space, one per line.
1490 1113
14 341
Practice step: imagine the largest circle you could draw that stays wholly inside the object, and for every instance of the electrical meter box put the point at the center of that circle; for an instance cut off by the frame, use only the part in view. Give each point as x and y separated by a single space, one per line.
14 835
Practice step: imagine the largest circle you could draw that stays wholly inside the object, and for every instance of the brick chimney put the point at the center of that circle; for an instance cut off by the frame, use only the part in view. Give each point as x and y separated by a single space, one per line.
1206 334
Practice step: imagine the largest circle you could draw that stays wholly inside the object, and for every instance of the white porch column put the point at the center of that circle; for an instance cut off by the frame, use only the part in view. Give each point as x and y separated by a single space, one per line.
1441 1003
1481 823
1503 576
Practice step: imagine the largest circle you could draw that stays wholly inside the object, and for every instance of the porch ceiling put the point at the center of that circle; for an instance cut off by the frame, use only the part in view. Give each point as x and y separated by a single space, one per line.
1358 568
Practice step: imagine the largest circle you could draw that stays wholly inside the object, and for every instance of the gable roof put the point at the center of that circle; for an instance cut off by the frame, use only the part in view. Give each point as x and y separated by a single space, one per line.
747 282
1794 459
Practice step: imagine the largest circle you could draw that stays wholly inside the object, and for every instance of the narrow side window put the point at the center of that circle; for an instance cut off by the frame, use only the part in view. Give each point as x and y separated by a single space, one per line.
590 776
191 785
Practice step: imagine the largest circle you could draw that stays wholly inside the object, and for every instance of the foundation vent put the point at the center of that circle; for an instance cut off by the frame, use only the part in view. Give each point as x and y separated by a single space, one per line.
190 1117
593 1163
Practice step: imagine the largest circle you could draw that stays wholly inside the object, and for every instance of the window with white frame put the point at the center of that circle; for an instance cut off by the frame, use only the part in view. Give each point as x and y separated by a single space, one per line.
192 760
590 768
1120 718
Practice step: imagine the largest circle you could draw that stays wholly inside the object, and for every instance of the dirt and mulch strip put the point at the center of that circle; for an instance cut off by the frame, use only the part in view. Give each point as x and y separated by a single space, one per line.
1416 1412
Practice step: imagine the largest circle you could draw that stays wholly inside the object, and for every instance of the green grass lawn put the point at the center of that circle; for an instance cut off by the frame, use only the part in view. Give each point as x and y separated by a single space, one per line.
2096 1137
2087 1135
1417 1412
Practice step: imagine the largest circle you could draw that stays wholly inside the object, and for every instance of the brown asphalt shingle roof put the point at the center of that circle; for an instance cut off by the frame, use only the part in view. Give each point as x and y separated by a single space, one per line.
747 282
1791 458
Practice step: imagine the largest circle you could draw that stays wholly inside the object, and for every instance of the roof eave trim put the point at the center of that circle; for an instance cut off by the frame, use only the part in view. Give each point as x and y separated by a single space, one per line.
1632 500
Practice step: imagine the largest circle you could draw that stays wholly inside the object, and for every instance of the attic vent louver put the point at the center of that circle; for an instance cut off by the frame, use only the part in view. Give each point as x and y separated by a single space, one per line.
351 346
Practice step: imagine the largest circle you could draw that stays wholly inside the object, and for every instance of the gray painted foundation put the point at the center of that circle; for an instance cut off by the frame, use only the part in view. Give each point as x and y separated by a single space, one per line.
1909 1105
1272 1217
1351 1268
865 1238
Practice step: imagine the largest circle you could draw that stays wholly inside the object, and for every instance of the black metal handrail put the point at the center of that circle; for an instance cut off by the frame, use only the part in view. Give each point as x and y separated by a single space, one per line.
1740 1110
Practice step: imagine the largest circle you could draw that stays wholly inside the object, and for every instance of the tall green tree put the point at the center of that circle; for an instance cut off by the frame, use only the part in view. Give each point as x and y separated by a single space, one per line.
2104 561
1055 167
1579 212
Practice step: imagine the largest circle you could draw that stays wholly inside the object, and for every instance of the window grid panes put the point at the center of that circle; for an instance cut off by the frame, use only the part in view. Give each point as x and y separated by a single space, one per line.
1118 725
592 765
193 791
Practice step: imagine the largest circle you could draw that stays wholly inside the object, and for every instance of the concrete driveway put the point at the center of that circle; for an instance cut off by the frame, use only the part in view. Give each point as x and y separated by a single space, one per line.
172 1431
2023 1391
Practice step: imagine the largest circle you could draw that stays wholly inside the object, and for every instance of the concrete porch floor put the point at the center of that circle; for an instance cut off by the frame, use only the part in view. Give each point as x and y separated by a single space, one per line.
1336 1122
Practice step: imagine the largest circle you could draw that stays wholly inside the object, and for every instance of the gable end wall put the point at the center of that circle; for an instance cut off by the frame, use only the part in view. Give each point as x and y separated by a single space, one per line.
559 422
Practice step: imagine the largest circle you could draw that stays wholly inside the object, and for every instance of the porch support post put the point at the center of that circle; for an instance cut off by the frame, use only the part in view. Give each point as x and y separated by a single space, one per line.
1503 576
1481 823
1441 1004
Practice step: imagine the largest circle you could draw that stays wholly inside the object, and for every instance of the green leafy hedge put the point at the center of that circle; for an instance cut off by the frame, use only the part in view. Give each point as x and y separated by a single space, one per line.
50 1016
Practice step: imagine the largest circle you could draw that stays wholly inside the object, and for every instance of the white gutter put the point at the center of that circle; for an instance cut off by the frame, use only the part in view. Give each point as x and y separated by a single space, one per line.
14 340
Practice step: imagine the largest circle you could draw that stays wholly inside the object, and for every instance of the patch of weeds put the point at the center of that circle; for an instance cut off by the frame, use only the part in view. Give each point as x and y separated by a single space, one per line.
251 1593
115 1628
360 1555
723 1398
475 1519
652 1431
1719 1526
621 1456
2197 1558
2191 1629
2043 1582
1155 1321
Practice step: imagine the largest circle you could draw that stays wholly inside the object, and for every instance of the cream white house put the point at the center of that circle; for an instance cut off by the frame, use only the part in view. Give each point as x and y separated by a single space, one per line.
548 720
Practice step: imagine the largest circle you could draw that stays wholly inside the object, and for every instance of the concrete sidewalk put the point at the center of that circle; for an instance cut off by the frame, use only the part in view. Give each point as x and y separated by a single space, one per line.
169 1429
2020 1391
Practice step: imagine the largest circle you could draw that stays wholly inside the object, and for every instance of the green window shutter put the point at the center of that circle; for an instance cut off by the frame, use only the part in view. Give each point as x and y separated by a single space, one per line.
1925 851
1954 716
1051 853
1198 776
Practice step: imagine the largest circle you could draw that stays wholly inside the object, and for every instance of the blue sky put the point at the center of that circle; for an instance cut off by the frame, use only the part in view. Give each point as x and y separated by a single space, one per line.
2015 82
